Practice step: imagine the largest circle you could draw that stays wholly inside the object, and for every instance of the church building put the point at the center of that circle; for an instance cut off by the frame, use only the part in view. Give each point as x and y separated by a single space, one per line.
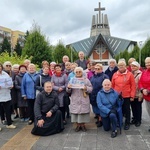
101 46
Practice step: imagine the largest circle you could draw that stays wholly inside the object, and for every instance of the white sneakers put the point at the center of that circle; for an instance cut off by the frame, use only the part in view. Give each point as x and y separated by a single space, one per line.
11 126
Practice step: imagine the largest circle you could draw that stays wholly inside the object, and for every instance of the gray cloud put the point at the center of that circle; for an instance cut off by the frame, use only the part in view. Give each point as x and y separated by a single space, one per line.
71 20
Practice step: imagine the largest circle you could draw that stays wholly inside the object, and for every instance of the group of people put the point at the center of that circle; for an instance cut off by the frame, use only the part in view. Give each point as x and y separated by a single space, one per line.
59 91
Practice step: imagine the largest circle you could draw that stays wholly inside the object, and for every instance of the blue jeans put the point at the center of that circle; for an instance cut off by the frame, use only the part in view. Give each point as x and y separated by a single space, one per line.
110 122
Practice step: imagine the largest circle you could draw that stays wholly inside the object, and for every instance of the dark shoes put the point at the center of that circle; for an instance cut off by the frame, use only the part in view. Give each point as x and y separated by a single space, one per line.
99 124
137 124
126 127
83 128
64 122
133 121
113 134
17 116
30 122
78 128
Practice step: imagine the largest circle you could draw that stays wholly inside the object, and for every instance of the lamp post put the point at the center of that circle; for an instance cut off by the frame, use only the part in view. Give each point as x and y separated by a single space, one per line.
140 46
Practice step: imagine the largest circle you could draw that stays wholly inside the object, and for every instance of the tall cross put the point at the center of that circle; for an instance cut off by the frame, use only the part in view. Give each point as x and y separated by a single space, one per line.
99 9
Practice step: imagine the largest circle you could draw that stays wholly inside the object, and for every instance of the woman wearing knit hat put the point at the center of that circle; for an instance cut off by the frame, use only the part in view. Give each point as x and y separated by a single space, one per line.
136 105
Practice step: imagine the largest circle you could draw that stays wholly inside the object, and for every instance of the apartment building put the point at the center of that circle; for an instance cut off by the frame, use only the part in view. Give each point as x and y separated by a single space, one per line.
12 36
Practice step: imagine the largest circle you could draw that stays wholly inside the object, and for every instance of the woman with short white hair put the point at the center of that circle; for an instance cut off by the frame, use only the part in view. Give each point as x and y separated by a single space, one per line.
28 90
79 87
112 68
123 82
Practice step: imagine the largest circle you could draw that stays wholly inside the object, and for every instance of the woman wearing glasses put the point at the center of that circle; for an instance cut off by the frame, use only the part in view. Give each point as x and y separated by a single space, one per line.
97 80
79 87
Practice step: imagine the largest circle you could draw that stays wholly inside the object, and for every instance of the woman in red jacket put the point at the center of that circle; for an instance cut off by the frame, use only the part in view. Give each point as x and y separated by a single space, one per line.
144 84
123 82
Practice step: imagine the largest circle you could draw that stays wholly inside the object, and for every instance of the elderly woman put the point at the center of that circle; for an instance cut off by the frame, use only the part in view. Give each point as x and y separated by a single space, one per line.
5 97
42 78
123 82
136 105
28 90
60 81
107 103
112 68
96 81
22 104
79 87
44 64
8 68
15 69
144 85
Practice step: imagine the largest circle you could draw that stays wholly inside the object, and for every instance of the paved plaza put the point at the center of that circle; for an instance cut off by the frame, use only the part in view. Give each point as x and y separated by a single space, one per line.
137 138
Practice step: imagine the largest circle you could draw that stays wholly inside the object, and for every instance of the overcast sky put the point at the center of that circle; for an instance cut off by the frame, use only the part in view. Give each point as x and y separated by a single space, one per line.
70 20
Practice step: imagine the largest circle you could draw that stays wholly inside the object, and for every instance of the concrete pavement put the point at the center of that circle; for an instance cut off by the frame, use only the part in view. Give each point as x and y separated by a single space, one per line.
136 138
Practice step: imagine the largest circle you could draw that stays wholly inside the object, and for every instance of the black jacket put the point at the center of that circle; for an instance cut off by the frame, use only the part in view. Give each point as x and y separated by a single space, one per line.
45 102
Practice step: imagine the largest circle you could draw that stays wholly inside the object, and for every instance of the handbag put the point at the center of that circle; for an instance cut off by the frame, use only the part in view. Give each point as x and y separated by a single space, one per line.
37 91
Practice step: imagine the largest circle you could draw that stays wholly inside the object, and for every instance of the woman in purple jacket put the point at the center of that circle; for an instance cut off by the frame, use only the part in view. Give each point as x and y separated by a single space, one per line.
60 81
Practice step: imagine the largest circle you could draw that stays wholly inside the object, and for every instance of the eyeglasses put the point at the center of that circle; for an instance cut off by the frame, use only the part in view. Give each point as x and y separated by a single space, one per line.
8 65
78 71
97 68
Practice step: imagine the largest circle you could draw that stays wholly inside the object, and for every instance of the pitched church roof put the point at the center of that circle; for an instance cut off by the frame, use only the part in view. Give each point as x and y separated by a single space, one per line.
113 44
100 31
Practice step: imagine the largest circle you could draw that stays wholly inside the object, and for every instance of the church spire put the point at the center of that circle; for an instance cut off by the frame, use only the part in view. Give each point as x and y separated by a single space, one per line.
100 23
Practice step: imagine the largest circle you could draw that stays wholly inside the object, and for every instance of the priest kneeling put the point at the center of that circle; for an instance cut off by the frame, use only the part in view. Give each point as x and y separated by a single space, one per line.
48 117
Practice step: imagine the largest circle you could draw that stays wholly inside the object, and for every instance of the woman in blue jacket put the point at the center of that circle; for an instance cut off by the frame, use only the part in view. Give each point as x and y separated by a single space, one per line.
28 90
107 101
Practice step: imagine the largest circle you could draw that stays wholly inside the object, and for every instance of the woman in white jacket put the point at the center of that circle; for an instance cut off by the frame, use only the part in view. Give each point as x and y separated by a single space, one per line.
5 98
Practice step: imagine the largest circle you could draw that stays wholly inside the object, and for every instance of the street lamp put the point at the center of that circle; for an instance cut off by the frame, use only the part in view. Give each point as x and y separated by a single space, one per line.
140 46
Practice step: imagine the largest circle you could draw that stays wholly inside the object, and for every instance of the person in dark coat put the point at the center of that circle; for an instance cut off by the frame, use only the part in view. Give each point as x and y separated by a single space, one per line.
112 68
96 81
42 78
22 104
48 118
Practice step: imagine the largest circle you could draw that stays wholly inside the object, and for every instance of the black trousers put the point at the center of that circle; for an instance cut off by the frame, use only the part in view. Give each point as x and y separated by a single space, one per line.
2 112
136 107
62 109
7 111
31 108
126 110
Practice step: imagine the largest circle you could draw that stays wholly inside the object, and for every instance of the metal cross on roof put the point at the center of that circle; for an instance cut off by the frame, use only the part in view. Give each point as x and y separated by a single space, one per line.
99 9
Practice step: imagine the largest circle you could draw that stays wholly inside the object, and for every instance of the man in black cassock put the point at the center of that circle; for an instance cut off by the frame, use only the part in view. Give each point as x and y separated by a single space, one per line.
48 117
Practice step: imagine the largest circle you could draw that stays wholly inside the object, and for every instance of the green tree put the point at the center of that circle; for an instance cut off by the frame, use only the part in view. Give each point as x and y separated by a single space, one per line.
37 46
14 59
145 52
135 53
59 52
18 49
6 46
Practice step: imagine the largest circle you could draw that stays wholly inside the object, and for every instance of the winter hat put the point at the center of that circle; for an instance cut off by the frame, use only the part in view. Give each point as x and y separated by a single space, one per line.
135 63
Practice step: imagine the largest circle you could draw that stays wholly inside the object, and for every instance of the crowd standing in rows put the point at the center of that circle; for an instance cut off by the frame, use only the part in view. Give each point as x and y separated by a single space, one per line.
58 91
